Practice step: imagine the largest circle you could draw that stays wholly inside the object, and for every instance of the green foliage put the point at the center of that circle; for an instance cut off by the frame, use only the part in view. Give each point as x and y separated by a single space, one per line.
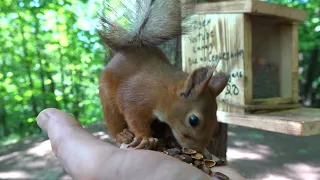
50 56
309 31
309 50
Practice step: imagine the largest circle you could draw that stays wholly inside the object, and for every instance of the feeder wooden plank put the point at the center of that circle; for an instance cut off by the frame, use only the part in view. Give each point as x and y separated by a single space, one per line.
272 101
298 121
247 59
218 40
253 7
295 63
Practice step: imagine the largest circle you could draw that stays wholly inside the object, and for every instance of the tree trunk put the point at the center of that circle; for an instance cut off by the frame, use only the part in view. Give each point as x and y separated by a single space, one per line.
3 123
172 49
3 112
76 78
62 72
39 59
310 77
24 59
52 86
218 145
39 46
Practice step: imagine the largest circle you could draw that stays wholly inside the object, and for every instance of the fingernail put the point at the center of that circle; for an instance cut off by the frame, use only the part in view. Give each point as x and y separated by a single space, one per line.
43 116
42 120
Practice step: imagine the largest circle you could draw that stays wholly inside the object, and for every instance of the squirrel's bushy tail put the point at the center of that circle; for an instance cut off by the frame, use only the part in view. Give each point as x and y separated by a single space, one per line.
143 22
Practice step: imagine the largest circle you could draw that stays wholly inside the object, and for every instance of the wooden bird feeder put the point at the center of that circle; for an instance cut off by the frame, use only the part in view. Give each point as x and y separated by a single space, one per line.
257 43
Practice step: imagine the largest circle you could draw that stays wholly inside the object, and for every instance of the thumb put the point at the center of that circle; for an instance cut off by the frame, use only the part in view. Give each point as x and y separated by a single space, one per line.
78 150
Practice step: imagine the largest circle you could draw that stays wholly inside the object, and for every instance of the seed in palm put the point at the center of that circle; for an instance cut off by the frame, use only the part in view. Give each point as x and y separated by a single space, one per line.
188 151
220 176
209 163
197 156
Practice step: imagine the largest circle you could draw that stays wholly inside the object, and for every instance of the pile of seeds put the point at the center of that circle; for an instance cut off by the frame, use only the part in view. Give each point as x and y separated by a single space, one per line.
198 160
187 155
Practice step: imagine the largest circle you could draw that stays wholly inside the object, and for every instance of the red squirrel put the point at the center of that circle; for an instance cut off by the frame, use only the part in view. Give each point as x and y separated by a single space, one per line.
140 84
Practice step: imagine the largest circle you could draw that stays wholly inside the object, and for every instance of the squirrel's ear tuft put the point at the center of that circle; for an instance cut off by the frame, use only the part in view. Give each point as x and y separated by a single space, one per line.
197 82
218 82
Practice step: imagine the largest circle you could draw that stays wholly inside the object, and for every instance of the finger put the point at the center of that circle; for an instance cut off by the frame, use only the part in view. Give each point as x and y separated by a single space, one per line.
45 115
70 143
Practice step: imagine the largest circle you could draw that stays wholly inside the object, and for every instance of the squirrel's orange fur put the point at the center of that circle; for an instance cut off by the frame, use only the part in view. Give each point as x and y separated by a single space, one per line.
139 83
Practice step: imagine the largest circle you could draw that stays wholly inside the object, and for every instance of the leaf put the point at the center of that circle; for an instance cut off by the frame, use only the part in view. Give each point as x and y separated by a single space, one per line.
18 98
30 120
47 81
28 93
59 98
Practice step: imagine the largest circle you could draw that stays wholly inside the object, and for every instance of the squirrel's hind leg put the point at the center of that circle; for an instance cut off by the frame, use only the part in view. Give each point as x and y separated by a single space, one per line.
114 120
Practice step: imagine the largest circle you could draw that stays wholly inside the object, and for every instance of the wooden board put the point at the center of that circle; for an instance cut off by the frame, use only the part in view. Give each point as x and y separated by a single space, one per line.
299 121
253 7
294 38
218 39
247 59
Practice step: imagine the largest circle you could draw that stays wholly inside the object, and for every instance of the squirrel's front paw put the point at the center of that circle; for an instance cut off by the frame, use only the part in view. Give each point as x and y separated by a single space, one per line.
144 143
126 137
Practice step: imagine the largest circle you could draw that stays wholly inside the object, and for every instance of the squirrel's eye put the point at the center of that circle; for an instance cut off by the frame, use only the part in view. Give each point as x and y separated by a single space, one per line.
194 120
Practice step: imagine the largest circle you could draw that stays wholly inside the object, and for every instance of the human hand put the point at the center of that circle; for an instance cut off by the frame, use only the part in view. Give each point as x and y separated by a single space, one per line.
86 157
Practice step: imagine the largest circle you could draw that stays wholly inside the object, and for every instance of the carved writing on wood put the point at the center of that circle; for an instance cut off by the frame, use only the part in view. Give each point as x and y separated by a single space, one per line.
217 40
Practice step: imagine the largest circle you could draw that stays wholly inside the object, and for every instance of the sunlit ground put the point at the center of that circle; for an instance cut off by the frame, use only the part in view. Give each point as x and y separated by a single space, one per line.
33 159
257 155
262 155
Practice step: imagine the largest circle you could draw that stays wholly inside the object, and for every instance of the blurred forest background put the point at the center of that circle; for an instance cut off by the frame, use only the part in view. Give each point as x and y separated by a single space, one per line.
51 56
